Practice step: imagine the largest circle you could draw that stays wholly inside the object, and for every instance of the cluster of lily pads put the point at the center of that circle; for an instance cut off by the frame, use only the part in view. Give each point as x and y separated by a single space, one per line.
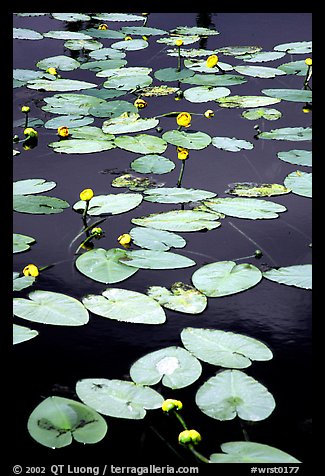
119 96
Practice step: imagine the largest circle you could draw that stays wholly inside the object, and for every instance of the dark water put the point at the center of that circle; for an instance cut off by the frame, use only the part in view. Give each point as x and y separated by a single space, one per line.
278 315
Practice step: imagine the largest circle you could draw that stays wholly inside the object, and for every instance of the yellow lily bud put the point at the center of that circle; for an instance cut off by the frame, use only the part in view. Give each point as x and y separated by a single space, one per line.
212 61
209 113
102 26
97 232
182 153
63 131
30 132
52 71
178 42
184 119
140 103
86 194
31 270
125 240
308 61
25 109
171 404
128 38
189 437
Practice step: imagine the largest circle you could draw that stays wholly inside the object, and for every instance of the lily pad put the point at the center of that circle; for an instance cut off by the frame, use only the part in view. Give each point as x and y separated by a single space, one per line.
224 278
299 276
269 114
118 17
110 204
250 452
298 68
246 189
172 74
205 93
22 242
158 240
195 30
75 104
90 133
130 123
104 265
26 34
238 50
214 79
31 186
300 183
232 393
296 157
53 308
118 398
128 82
68 121
100 65
40 205
176 195
259 71
59 85
96 33
181 297
262 56
179 220
186 39
109 109
66 35
231 144
174 366
201 67
71 17
295 95
22 334
142 144
81 146
126 306
57 421
152 259
107 53
250 208
130 71
152 164
21 282
225 349
247 101
163 90
85 44
288 133
60 62
131 182
295 47
142 30
130 45
189 140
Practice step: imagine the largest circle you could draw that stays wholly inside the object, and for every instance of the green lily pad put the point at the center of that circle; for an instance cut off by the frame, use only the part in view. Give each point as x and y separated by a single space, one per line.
31 186
158 240
104 265
128 82
107 53
41 205
238 50
68 121
130 123
90 133
247 101
172 74
81 146
232 393
22 242
57 421
110 204
26 34
126 306
118 17
250 452
225 349
142 144
60 62
296 157
152 164
299 276
153 91
298 68
246 189
205 93
22 334
194 30
295 47
202 79
250 208
118 398
100 65
201 67
75 104
85 44
48 307
59 84
181 297
152 259
300 183
142 30
262 56
21 282
176 195
287 133
186 39
109 109
71 17
224 278
138 184
25 75
189 140
130 45
174 366
269 114
179 220
130 71
259 71
295 95
66 35
231 144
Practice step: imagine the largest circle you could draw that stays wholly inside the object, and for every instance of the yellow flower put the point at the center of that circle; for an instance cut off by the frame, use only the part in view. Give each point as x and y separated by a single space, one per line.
63 131
128 38
144 37
86 194
31 270
52 71
140 103
308 61
25 109
125 240
182 153
189 437
97 232
144 14
212 61
209 113
171 404
30 132
102 26
184 119
178 42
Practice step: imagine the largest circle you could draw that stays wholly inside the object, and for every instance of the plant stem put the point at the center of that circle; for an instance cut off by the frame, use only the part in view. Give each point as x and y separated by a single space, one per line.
179 59
198 455
26 120
179 182
84 214
84 242
180 419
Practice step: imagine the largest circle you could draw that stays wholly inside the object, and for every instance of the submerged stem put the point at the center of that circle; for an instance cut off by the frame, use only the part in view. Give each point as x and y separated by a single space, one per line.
179 182
198 455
